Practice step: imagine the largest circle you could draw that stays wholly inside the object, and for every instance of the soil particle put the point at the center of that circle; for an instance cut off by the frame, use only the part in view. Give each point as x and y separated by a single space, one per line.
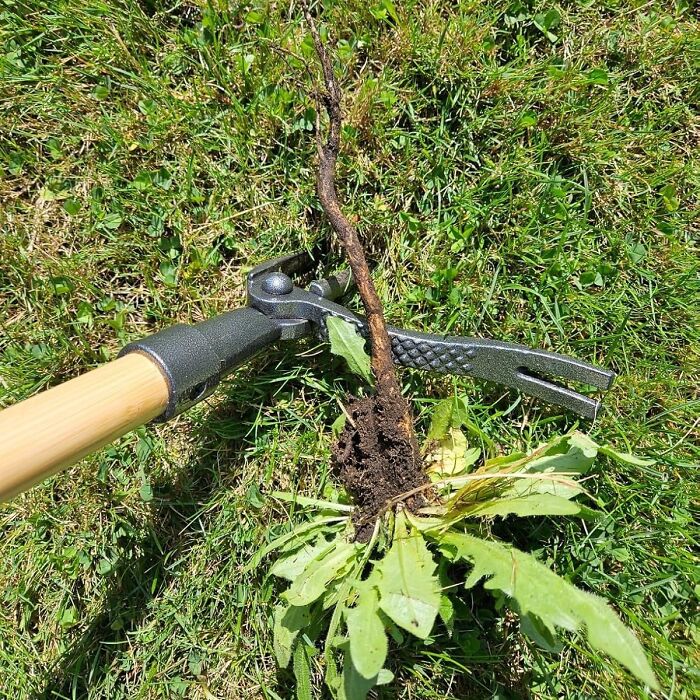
375 462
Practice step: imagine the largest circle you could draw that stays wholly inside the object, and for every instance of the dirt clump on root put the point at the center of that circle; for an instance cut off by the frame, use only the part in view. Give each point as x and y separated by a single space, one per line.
375 462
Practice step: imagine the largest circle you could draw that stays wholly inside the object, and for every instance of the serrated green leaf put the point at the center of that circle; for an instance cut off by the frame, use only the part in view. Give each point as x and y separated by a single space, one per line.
625 457
350 345
72 206
294 563
671 200
320 573
104 566
409 591
69 617
545 22
353 686
471 457
333 679
572 461
441 420
539 591
288 621
368 643
449 413
302 672
112 221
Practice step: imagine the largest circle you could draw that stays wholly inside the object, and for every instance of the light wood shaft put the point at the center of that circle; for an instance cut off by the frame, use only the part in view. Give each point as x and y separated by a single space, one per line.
54 429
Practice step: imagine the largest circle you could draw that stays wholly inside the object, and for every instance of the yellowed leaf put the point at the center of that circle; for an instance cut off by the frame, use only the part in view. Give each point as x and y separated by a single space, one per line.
450 455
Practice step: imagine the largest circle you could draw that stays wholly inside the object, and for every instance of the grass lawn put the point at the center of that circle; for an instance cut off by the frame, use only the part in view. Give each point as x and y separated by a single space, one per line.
522 170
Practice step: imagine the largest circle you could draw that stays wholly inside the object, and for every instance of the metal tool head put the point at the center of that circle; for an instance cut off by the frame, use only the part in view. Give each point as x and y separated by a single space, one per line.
273 273
539 373
296 263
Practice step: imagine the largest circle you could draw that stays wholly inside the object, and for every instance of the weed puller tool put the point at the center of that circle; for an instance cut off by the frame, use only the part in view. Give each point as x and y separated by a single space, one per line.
164 374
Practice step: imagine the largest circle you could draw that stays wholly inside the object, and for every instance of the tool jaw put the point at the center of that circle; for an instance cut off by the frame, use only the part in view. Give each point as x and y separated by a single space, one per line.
538 373
300 312
303 311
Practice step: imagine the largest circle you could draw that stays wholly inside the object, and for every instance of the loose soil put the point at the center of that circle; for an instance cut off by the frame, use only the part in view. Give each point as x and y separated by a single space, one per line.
375 462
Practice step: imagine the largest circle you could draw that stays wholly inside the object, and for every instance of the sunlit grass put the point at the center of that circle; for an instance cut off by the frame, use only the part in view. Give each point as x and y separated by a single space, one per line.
526 171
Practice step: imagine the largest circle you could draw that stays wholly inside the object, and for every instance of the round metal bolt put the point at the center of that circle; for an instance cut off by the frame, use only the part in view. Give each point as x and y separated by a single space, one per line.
277 283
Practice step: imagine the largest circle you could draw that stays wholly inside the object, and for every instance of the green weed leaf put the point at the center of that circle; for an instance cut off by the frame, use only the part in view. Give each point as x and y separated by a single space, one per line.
568 455
302 673
670 197
625 457
531 504
598 76
449 413
409 591
296 538
450 456
384 677
353 685
338 424
637 251
146 492
288 621
384 10
368 643
349 344
538 591
294 563
547 21
317 576
533 628
447 613
72 206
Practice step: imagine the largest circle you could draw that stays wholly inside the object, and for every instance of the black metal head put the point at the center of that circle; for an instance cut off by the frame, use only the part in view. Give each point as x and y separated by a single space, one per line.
195 358
535 372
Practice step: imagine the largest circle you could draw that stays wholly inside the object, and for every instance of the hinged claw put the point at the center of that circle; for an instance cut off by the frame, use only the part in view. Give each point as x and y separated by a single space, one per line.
531 371
534 372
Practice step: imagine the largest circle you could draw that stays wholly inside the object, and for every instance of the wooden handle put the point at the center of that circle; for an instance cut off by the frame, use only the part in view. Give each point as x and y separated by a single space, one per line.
54 429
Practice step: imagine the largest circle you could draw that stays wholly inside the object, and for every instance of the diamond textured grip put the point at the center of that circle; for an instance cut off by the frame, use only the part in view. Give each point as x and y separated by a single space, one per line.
431 354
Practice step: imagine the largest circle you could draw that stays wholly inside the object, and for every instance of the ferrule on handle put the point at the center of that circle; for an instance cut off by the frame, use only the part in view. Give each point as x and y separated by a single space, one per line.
194 359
